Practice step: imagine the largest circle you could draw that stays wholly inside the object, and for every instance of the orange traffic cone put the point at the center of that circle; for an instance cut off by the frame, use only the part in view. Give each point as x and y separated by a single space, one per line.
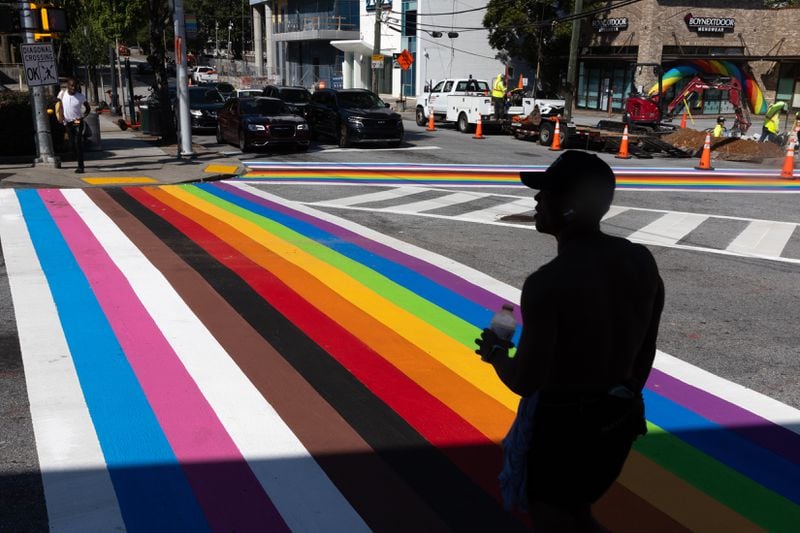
683 121
430 127
787 172
623 146
705 157
556 144
479 129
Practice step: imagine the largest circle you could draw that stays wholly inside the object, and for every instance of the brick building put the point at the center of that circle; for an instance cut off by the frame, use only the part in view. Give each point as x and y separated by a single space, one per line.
711 37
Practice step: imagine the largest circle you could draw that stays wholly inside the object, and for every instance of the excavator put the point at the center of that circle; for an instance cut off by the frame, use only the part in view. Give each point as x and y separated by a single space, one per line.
649 111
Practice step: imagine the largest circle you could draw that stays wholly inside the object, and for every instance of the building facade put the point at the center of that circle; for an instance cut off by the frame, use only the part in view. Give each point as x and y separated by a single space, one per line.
730 38
332 42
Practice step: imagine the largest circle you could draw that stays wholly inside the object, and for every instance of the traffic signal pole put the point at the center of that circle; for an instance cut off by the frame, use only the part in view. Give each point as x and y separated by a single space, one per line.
182 82
44 139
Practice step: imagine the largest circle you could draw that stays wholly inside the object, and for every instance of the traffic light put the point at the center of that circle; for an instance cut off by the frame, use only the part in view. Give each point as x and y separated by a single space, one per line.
50 21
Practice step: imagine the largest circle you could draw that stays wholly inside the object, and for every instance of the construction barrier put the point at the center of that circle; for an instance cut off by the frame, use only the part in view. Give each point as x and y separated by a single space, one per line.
623 146
479 129
430 127
683 121
705 157
556 144
787 172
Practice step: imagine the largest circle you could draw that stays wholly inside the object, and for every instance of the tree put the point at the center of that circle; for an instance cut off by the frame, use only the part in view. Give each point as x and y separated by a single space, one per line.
524 29
209 12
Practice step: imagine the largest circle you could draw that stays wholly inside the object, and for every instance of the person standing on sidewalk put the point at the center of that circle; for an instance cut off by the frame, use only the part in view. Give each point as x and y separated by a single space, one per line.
74 109
590 322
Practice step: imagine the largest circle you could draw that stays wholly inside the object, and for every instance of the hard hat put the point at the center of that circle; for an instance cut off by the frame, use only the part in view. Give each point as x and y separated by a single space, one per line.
720 120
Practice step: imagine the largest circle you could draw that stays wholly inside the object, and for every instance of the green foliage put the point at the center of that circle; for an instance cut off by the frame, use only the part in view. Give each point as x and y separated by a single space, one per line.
209 12
19 139
95 24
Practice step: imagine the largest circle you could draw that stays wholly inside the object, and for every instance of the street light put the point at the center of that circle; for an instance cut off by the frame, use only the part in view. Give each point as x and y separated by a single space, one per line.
230 27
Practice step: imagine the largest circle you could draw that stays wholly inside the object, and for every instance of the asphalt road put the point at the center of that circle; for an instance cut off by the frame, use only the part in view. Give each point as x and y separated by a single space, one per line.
726 312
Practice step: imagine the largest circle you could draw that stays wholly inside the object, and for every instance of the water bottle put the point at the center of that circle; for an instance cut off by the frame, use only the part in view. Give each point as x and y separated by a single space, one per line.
503 323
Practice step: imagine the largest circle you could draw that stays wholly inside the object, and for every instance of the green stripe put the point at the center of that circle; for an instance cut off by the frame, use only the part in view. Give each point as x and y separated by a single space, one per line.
750 499
449 324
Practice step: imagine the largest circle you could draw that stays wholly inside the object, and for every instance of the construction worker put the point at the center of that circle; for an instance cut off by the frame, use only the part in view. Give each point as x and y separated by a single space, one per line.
719 129
499 97
772 122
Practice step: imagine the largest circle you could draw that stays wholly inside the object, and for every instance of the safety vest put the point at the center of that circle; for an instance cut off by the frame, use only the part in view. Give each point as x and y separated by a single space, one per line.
499 88
773 123
719 130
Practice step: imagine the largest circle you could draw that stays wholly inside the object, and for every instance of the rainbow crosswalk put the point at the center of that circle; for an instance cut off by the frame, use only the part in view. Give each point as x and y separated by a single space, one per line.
490 175
212 357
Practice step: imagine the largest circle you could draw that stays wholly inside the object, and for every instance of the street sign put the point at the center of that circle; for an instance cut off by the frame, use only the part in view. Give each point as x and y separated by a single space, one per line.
405 59
39 62
377 61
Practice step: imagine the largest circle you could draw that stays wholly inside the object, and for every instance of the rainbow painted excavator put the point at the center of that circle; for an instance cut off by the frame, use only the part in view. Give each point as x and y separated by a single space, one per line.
649 110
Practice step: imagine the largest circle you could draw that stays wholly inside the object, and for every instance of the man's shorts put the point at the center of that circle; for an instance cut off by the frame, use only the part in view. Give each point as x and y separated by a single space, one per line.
579 447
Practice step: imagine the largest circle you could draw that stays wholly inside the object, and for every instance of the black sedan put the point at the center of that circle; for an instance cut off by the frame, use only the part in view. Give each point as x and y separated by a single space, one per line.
261 122
298 99
204 104
355 116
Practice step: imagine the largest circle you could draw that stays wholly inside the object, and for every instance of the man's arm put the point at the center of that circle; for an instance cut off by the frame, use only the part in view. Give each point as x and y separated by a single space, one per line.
523 373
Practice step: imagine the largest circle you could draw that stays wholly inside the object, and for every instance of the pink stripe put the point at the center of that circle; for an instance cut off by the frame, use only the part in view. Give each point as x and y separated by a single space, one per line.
227 489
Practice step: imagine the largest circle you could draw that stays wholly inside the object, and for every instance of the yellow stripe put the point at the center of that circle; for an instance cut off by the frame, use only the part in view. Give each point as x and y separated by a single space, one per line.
452 354
119 180
221 169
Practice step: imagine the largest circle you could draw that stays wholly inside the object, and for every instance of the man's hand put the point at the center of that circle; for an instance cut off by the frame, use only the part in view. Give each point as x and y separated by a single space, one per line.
490 345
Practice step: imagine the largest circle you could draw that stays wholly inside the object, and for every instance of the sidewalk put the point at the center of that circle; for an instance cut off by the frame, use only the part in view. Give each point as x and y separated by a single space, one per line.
127 157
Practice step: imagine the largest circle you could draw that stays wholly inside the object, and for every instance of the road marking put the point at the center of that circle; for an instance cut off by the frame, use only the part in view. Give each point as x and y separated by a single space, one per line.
398 149
389 194
221 169
436 203
121 180
70 458
613 211
763 237
492 214
259 433
668 229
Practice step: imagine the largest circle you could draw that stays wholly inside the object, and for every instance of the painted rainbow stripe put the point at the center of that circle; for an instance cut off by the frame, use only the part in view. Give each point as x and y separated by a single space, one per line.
240 363
488 175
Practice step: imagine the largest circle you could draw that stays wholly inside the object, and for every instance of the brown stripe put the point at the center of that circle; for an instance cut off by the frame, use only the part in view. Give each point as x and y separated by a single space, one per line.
346 458
621 511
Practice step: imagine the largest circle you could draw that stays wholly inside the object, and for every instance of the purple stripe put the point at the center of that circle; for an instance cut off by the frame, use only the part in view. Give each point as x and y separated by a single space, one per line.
756 429
442 277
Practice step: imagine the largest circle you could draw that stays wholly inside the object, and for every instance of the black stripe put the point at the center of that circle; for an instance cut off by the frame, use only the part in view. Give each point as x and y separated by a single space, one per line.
22 504
461 503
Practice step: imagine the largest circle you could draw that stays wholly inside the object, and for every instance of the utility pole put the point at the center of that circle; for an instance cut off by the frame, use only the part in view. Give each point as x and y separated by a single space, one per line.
376 46
44 140
182 83
573 60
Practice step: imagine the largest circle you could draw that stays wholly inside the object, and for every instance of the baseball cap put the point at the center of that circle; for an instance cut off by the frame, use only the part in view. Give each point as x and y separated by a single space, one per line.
573 171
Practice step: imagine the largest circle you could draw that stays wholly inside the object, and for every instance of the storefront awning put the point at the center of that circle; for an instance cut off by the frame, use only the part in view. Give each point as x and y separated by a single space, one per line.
358 46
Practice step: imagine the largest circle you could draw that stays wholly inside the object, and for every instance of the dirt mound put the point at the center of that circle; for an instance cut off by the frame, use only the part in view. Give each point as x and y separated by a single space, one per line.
728 149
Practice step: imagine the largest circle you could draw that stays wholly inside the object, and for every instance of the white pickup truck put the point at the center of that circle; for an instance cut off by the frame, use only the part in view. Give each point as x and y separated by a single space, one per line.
460 101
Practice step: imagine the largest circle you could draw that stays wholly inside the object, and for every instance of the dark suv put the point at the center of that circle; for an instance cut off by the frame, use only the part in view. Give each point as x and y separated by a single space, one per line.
354 116
298 99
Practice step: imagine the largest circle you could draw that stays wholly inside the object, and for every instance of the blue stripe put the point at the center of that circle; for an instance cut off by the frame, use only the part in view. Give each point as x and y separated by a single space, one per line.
760 465
151 489
452 302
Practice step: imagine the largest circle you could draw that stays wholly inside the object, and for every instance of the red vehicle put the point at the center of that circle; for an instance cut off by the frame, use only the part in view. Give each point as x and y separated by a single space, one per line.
261 122
649 110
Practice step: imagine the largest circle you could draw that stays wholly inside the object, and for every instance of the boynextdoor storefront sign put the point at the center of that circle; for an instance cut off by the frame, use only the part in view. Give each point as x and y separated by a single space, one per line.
710 24
610 25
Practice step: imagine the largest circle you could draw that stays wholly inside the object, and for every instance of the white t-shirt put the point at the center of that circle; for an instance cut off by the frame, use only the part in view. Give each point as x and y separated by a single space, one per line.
72 105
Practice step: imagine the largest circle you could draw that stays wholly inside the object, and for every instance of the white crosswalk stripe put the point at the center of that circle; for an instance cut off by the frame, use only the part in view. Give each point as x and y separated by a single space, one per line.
490 214
668 229
435 203
763 237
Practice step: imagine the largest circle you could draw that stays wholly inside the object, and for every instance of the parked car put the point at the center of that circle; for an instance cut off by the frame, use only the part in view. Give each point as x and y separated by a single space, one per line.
224 88
354 116
247 93
261 122
204 74
297 98
204 104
